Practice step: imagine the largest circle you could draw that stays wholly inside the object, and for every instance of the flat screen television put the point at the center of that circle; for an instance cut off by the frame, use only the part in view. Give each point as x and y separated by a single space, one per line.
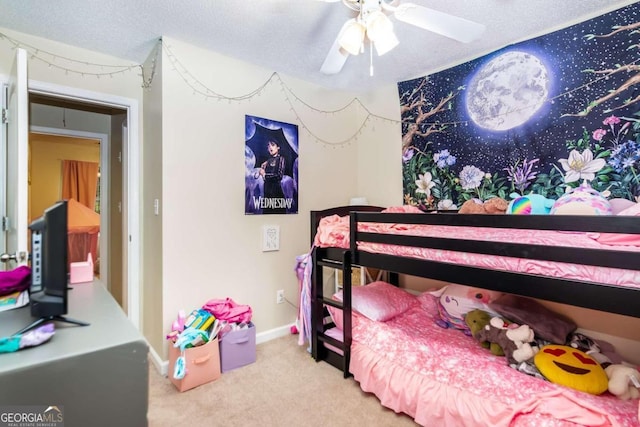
49 278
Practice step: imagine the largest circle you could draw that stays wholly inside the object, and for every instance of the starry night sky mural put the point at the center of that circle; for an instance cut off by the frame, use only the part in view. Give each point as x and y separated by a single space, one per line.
502 123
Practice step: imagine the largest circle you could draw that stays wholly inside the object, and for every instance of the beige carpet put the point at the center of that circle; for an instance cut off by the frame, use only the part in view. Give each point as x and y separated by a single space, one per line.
285 387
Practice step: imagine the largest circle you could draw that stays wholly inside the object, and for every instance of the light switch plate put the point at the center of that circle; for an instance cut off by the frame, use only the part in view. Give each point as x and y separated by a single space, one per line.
270 238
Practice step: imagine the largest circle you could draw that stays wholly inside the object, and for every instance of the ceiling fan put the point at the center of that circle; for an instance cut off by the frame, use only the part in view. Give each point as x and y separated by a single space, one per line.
373 24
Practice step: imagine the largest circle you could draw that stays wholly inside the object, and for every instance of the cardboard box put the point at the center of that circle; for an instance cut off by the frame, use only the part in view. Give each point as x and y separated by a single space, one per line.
238 348
202 365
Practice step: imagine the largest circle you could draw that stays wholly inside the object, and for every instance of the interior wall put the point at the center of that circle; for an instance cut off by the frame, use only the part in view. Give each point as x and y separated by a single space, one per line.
152 309
380 148
211 248
46 153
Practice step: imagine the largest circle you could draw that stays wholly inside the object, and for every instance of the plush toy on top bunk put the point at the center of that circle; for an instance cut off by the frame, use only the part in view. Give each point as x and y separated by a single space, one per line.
495 205
455 301
582 200
529 204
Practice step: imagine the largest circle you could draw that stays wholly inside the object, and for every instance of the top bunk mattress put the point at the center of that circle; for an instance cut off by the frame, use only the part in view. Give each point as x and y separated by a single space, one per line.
333 231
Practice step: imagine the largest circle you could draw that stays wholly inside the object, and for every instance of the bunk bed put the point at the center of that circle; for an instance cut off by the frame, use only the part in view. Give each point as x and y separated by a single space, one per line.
387 240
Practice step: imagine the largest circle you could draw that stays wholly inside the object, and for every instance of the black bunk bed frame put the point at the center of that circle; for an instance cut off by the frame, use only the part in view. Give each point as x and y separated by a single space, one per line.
603 297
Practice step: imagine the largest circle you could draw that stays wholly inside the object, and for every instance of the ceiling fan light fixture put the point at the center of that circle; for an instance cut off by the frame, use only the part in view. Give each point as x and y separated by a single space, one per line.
380 32
385 44
352 37
378 25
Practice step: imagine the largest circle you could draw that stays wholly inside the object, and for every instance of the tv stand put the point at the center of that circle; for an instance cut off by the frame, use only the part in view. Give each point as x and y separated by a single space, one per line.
42 320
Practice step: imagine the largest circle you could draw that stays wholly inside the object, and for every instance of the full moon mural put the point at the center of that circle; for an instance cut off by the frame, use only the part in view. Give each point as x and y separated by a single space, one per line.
507 91
503 123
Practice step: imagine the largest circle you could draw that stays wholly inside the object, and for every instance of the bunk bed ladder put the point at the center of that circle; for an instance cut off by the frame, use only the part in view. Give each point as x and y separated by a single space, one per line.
320 315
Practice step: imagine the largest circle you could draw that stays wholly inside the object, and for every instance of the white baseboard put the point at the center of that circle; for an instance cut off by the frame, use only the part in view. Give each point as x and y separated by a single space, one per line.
162 366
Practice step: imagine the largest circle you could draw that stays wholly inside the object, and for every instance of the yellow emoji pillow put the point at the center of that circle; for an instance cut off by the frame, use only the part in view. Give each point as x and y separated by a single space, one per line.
572 368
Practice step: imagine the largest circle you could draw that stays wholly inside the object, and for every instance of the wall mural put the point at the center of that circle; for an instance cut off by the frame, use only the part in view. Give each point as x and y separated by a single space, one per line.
271 167
540 116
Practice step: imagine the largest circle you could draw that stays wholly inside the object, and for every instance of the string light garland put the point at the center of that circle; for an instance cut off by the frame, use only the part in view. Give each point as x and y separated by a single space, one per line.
59 62
98 70
201 89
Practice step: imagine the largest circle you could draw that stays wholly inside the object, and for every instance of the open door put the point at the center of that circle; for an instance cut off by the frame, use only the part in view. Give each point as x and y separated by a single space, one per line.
16 180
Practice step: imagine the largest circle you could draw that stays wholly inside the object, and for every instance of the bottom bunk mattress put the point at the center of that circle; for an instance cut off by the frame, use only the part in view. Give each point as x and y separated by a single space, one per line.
442 377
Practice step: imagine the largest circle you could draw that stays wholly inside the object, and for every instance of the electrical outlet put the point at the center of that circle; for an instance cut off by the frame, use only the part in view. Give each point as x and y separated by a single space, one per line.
280 296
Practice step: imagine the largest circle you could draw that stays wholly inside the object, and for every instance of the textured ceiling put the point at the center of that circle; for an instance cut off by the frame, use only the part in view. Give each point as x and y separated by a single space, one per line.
291 37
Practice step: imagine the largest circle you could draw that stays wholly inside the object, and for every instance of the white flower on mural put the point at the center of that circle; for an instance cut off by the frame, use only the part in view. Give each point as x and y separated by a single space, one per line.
446 205
425 184
471 177
581 166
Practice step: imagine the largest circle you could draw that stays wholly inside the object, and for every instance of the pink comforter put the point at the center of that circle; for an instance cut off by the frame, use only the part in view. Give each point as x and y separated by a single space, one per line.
333 231
442 377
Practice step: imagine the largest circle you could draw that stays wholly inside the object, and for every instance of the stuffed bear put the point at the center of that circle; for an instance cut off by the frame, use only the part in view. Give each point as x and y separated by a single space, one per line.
514 342
495 205
476 320
620 382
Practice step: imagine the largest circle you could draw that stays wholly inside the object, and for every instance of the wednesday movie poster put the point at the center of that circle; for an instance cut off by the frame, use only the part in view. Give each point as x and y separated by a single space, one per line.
271 167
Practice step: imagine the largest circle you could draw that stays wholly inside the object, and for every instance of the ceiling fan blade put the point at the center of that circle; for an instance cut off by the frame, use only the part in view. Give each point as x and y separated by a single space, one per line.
337 56
454 27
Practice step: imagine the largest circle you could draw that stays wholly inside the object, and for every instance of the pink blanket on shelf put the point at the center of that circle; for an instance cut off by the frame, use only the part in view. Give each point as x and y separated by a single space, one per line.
333 231
442 377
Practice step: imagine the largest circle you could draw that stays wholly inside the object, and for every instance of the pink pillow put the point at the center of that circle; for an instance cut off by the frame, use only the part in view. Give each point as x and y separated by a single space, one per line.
379 301
618 239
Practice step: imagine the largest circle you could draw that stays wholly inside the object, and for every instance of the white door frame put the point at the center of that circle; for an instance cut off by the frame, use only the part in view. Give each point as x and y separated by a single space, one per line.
132 150
104 187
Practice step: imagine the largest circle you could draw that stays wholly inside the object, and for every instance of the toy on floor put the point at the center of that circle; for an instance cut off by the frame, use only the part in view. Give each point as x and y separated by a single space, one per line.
454 301
624 381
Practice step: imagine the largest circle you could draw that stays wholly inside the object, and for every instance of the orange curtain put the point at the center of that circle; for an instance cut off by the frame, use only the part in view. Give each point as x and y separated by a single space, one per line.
80 182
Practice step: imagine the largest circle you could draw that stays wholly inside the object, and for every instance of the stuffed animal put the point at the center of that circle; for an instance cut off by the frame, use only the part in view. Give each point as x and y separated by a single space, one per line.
530 204
582 200
495 205
515 342
454 301
602 351
621 382
476 320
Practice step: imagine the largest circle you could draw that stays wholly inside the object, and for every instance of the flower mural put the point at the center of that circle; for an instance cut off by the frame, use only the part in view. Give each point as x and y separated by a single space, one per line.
581 166
449 148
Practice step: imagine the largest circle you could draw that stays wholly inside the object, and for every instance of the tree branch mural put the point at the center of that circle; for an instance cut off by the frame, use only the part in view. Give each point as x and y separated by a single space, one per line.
633 69
416 110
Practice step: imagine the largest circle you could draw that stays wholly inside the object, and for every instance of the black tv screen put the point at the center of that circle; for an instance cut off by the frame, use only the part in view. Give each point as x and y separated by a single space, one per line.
49 267
49 262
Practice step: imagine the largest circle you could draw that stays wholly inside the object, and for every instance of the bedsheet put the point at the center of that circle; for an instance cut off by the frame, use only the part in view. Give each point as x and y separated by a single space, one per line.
442 377
333 231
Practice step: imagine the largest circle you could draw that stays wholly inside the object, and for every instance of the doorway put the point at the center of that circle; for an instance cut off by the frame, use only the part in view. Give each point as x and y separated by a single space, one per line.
84 134
122 167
